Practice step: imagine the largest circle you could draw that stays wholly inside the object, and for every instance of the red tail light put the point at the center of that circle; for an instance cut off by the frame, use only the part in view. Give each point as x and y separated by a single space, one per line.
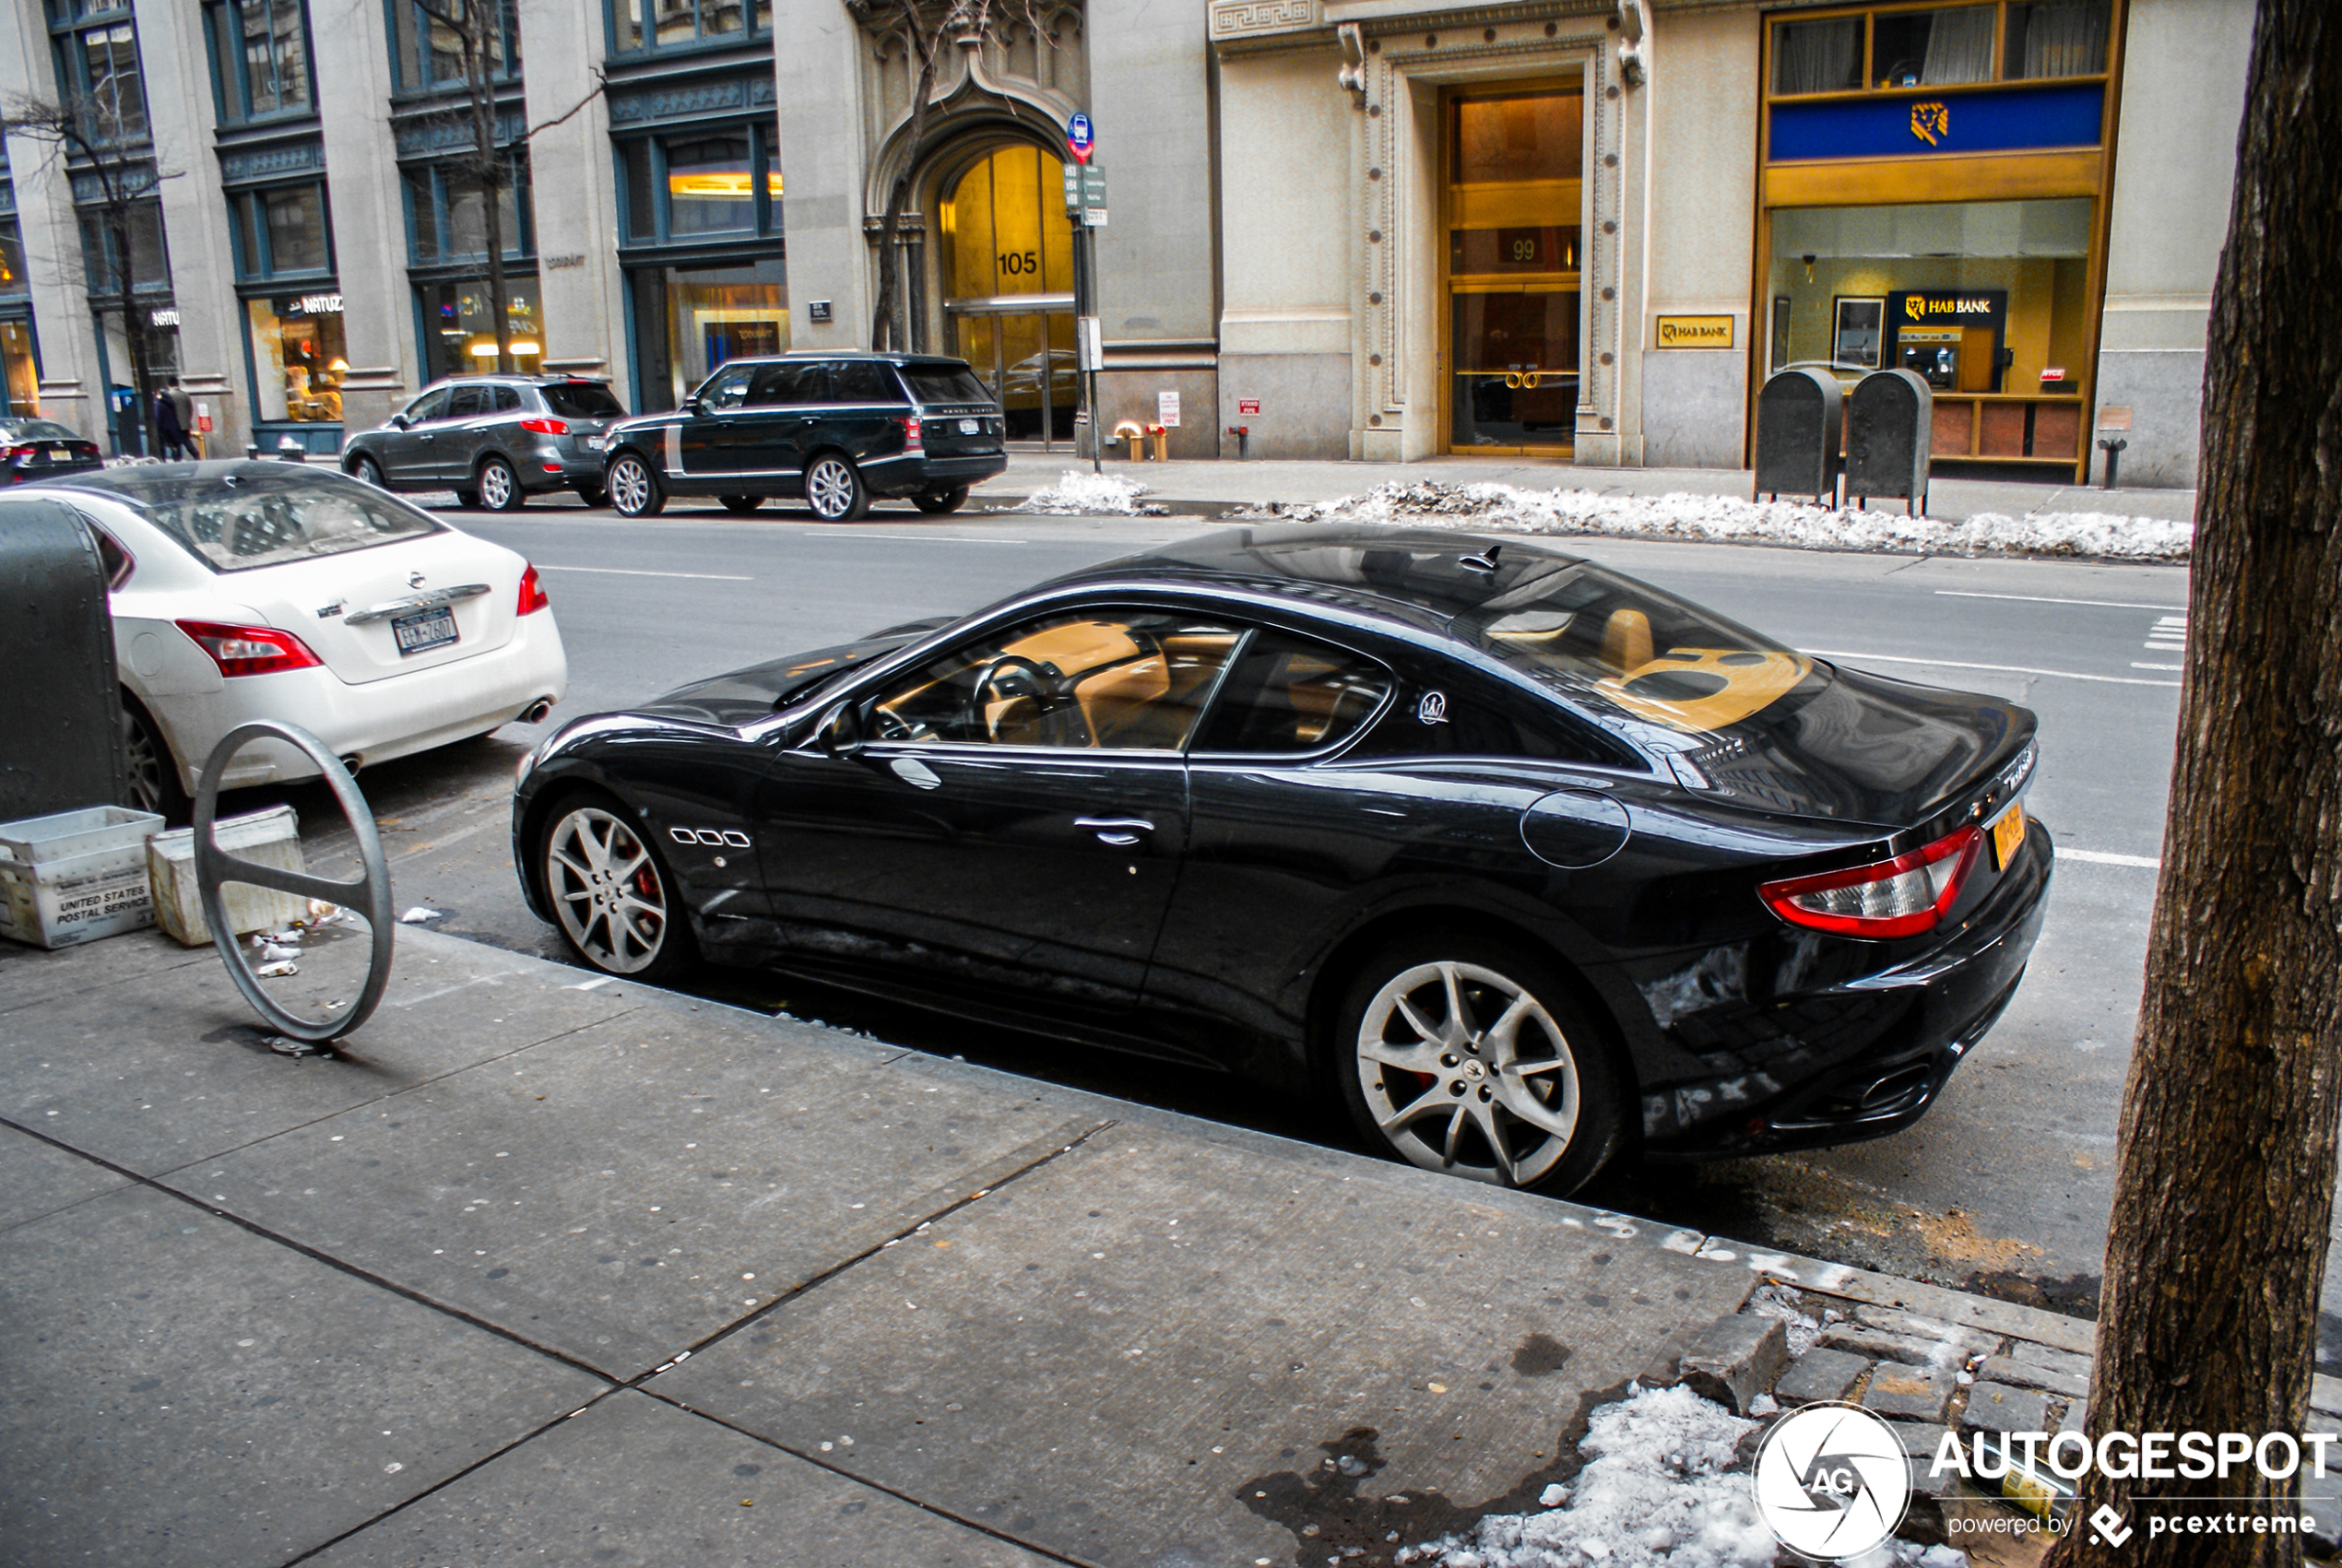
546 426
1900 897
250 650
14 452
912 437
532 592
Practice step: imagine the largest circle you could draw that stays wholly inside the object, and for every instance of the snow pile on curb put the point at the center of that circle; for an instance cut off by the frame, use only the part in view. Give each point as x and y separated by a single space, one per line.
1663 1487
1078 494
1509 509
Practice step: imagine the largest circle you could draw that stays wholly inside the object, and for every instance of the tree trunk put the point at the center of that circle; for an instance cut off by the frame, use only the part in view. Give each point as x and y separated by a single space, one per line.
489 181
882 313
2224 1197
134 337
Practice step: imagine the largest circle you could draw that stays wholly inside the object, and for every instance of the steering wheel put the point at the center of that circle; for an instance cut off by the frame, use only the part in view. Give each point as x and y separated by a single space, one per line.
977 722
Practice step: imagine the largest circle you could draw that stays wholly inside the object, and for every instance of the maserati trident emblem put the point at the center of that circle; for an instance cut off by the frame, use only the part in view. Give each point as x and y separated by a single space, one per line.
1433 709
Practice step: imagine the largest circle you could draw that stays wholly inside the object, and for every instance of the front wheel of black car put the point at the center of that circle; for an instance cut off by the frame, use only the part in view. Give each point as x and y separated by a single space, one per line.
833 488
366 471
593 495
739 503
610 892
948 499
1471 1058
633 489
500 487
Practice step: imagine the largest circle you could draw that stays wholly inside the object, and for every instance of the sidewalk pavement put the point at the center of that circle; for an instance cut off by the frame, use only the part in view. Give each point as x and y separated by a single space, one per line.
1209 488
581 1271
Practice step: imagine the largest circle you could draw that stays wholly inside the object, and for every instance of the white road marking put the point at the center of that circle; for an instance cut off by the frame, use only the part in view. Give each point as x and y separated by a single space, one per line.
593 985
2135 664
2041 599
622 572
2003 670
2100 857
923 539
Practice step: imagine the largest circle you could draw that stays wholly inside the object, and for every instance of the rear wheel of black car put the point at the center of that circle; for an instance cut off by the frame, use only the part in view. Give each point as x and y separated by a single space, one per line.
154 774
740 502
500 487
948 499
833 488
610 890
633 489
1471 1058
366 471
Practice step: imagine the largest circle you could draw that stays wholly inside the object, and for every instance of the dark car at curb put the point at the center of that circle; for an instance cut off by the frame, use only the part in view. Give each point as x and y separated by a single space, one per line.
43 449
494 439
1524 863
836 430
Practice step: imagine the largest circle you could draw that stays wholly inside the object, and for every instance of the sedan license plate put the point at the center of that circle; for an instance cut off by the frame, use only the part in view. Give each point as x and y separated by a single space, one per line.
2008 836
61 454
970 427
419 633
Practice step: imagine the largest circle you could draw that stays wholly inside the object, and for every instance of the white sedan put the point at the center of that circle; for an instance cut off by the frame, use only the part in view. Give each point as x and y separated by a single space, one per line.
273 590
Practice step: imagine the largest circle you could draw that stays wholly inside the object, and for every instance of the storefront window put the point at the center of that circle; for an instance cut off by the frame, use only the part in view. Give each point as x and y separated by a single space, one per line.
458 326
2057 38
1941 46
686 188
298 357
13 278
690 321
20 367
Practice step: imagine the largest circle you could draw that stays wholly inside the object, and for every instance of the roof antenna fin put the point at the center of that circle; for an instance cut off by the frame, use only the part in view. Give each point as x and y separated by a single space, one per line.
1481 562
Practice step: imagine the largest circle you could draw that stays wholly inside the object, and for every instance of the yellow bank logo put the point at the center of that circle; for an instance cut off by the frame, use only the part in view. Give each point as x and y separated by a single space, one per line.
1931 121
1694 332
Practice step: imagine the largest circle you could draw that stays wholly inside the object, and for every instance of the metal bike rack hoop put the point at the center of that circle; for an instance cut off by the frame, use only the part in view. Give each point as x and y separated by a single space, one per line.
370 894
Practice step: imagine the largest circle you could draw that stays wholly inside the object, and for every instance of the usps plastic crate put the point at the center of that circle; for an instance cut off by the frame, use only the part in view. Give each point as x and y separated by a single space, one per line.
76 876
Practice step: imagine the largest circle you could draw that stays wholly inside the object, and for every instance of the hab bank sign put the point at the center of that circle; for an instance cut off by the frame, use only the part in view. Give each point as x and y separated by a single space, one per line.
1834 1481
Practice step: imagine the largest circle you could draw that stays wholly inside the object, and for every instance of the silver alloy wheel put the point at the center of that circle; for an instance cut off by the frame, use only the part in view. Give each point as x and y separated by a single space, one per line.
496 486
1495 1100
829 487
630 485
366 471
148 791
606 890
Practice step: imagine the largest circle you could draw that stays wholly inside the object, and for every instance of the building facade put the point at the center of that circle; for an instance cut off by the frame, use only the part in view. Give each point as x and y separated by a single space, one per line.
1372 228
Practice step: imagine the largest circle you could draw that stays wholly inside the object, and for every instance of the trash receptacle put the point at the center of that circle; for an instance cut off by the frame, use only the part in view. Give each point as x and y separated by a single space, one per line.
1889 430
1799 416
61 705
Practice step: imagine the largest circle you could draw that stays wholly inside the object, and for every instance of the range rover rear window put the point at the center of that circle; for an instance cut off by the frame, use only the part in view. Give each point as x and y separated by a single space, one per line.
943 383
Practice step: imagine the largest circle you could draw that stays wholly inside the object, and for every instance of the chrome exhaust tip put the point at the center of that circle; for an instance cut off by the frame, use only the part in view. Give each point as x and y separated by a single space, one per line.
353 762
534 713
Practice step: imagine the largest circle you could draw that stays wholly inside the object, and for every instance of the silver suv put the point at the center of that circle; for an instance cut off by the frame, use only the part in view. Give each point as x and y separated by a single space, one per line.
493 440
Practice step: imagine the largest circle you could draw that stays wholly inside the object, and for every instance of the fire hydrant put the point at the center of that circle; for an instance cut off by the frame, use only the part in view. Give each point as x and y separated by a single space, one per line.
1131 431
1243 434
1162 442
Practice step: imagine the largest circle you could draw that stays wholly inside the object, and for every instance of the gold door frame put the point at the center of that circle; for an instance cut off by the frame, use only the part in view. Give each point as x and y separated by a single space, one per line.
1457 202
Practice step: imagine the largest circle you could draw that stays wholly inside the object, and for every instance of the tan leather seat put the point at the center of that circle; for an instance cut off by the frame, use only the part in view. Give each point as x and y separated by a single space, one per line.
1625 641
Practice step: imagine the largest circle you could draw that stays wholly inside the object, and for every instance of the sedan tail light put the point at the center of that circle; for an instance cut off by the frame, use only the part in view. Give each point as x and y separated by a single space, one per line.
532 592
912 437
1900 897
546 426
250 650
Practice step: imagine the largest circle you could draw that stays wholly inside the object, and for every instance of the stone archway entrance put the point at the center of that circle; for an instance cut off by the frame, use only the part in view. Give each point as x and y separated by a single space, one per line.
1006 265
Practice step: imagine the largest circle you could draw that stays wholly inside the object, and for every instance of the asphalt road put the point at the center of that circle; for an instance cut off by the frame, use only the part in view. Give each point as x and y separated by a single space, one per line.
2005 1187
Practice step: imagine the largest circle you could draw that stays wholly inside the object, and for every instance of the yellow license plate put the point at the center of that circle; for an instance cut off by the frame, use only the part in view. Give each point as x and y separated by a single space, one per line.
2008 836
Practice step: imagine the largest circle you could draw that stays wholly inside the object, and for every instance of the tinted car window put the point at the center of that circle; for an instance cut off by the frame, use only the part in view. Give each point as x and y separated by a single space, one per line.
727 388
507 399
581 400
787 384
466 403
432 405
861 380
942 384
1289 694
1112 680
1438 721
264 521
36 430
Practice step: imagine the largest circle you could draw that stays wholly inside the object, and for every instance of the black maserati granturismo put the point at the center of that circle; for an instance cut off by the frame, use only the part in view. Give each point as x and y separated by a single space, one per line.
1526 862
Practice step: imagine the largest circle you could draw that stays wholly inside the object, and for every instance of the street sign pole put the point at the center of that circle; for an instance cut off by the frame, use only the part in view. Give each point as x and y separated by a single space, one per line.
1085 209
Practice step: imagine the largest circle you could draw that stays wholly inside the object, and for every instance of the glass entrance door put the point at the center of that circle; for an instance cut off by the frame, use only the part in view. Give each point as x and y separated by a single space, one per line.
1514 190
1008 284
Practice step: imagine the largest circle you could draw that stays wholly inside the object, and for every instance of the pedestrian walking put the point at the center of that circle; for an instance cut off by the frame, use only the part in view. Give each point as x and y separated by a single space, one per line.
185 407
170 426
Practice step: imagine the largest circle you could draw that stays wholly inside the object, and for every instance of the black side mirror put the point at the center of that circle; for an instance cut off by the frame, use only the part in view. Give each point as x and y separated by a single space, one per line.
398 421
842 730
691 405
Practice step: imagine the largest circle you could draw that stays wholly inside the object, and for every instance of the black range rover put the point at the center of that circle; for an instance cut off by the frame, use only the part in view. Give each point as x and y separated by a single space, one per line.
837 430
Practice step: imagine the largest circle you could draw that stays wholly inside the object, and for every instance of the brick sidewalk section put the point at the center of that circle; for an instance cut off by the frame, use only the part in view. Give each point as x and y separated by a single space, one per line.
584 1271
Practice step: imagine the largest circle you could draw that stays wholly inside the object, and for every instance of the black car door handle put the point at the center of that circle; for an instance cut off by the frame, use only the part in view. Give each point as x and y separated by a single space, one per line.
1119 832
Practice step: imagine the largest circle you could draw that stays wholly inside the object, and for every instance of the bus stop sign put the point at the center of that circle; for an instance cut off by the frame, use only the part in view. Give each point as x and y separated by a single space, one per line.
1079 137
